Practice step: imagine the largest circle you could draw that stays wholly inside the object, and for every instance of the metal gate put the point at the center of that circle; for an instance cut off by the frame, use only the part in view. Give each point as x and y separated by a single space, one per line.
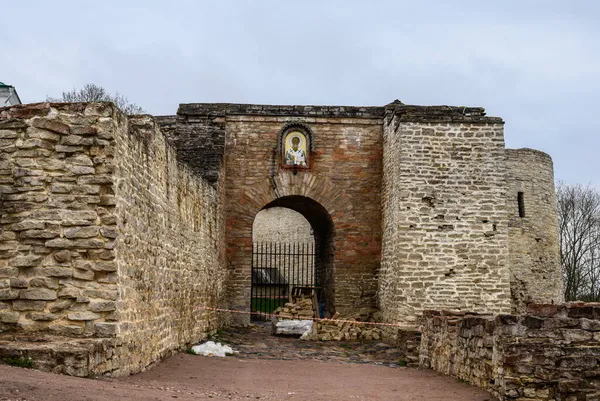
276 269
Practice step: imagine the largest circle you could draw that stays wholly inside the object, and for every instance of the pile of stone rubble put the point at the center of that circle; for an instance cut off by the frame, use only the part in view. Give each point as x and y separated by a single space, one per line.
340 329
301 310
337 328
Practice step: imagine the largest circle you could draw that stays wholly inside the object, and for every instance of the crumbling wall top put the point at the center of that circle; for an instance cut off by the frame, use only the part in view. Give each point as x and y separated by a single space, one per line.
397 108
223 109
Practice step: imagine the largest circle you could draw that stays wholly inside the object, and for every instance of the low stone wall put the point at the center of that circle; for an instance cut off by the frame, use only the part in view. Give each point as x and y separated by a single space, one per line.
105 237
459 345
550 353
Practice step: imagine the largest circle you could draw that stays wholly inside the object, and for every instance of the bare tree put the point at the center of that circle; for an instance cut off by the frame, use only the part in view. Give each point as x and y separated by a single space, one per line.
95 93
579 229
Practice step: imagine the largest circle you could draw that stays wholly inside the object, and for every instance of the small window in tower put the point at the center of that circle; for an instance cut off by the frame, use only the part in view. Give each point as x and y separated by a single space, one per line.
521 203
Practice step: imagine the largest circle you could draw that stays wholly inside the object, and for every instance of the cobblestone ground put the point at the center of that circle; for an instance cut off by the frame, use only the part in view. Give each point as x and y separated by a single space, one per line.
256 341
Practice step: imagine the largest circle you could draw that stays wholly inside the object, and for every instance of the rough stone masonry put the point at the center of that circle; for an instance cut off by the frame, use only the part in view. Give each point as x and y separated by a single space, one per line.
550 352
114 229
104 236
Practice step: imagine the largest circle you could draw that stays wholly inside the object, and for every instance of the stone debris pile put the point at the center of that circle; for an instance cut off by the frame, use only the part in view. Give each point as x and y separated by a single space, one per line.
302 309
337 328
340 329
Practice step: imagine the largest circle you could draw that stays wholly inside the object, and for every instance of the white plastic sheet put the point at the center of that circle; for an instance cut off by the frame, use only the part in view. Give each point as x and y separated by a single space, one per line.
210 348
293 327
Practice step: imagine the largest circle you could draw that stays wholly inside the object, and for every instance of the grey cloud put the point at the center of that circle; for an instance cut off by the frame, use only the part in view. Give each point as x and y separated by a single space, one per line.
534 63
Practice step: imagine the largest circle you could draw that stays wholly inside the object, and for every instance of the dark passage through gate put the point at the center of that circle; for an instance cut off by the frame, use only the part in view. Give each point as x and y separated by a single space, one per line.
278 268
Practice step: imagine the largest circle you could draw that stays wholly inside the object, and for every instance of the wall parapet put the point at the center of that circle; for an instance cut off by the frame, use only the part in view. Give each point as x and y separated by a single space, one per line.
414 113
549 353
225 109
399 112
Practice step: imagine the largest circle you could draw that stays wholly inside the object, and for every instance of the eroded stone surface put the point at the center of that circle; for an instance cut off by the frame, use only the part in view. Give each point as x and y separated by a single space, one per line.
542 355
81 256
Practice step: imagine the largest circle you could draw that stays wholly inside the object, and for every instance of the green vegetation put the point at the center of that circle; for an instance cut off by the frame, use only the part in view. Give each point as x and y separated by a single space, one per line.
402 362
267 305
19 361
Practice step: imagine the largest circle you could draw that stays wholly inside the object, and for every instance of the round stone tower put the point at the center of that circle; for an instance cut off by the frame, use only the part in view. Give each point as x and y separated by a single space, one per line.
533 242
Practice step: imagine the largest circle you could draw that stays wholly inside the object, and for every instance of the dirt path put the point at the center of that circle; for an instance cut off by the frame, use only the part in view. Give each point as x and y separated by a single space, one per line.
265 367
189 377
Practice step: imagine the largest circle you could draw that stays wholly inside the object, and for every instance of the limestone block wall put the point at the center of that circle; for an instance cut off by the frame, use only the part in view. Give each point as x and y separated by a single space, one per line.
169 246
444 213
58 267
549 353
104 234
459 345
533 229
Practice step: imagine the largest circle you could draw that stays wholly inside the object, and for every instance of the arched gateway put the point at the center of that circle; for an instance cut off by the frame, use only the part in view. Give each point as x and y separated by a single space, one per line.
283 262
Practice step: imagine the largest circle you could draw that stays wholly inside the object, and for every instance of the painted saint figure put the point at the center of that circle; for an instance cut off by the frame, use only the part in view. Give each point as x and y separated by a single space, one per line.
295 155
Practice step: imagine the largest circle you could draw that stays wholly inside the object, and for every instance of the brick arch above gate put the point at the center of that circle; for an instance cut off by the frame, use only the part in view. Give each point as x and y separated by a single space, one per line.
305 184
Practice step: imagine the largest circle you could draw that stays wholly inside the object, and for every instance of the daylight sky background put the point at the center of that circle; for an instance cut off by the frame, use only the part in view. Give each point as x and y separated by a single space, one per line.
534 63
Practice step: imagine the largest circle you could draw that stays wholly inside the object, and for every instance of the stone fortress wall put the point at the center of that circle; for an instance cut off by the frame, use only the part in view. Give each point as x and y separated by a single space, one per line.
104 236
344 180
115 229
445 223
549 352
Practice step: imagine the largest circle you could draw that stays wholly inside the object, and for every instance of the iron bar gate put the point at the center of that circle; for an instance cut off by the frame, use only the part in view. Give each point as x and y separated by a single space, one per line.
277 267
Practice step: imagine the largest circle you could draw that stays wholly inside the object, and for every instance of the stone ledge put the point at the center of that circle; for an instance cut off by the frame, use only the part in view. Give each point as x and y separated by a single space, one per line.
437 114
74 357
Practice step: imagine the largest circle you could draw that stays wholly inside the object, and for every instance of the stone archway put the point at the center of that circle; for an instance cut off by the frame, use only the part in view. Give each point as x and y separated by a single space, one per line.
322 225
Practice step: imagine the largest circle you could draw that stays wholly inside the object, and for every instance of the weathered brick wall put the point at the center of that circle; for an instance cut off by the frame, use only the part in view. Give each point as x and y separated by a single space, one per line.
344 180
533 241
105 234
444 213
549 353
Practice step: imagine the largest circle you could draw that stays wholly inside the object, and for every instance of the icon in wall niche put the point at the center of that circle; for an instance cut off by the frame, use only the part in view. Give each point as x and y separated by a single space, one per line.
295 149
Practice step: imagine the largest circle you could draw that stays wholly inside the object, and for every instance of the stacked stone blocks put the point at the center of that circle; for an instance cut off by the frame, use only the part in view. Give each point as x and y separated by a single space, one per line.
104 234
444 214
551 352
58 224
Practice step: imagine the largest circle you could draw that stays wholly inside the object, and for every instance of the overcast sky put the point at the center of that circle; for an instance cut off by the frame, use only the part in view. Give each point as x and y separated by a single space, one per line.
534 63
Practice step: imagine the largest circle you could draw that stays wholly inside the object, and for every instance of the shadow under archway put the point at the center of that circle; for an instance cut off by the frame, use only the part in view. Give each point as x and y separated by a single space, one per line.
322 225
